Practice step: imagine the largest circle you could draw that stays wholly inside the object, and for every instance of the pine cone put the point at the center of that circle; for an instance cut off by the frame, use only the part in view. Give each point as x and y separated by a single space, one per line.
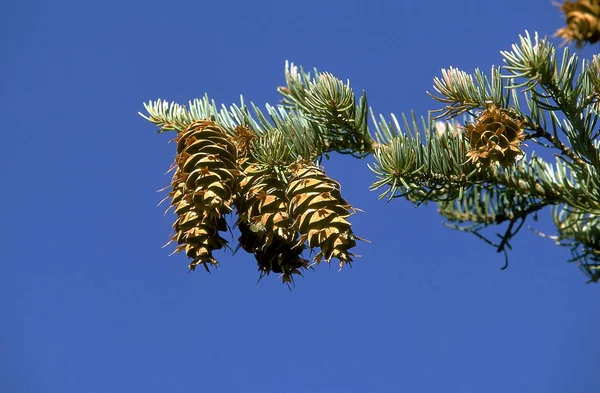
320 213
583 22
267 230
202 190
494 137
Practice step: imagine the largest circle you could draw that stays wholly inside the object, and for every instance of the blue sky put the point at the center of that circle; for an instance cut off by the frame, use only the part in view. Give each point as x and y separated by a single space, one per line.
92 303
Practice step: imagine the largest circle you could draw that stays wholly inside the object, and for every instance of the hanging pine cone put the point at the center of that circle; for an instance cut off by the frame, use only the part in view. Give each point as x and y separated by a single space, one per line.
267 230
202 190
320 213
583 22
494 137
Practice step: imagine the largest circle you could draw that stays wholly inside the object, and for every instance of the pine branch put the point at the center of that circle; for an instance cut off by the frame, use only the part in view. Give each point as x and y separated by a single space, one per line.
479 173
535 62
465 93
330 104
437 167
419 164
580 231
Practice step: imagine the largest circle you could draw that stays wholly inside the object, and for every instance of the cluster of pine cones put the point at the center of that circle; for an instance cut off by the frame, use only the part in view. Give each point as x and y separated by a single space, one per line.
583 22
280 212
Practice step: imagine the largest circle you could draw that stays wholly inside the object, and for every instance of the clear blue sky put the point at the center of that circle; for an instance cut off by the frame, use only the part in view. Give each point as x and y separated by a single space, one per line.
90 302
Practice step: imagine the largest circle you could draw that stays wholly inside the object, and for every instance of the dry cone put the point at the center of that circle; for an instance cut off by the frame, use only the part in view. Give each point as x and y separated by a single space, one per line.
202 190
494 137
321 213
267 230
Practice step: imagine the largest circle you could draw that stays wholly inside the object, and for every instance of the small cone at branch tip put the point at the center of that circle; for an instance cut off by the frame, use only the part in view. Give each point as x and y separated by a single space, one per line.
583 22
494 137
202 190
243 139
321 213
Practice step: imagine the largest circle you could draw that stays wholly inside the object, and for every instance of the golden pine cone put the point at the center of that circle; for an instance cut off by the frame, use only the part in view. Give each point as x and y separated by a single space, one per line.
320 213
266 229
202 190
583 22
263 205
494 137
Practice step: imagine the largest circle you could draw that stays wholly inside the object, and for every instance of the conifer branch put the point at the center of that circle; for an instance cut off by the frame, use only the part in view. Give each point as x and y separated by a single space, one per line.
480 173
331 104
